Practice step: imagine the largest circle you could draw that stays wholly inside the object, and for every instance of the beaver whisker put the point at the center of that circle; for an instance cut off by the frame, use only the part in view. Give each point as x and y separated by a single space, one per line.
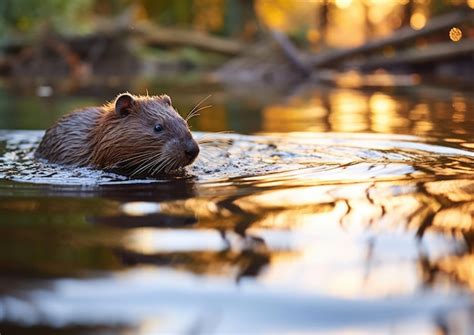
140 156
158 166
132 160
137 155
195 107
148 159
138 164
143 156
166 166
154 165
172 166
146 165
196 112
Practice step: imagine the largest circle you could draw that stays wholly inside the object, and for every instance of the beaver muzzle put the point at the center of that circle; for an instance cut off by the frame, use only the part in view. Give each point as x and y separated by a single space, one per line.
191 150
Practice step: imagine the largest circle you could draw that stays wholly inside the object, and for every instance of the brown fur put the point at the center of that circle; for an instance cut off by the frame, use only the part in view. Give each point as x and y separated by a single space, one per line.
102 138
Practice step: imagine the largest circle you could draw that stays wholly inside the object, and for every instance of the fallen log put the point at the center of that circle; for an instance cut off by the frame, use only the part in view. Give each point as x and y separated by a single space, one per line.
167 37
399 37
431 53
291 53
150 35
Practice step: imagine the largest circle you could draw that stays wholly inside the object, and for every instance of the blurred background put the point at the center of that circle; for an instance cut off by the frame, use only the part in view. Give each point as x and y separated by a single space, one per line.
59 55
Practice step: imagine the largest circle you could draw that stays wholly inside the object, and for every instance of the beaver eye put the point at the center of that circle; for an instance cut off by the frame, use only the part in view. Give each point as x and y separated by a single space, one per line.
158 127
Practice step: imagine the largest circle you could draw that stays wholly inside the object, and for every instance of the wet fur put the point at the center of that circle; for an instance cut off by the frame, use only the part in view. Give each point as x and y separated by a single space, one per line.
100 138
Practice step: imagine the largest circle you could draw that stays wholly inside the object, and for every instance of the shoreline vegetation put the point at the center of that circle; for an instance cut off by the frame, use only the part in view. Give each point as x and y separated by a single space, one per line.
124 47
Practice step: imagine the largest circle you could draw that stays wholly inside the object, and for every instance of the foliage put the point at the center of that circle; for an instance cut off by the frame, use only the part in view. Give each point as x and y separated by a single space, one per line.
226 17
27 16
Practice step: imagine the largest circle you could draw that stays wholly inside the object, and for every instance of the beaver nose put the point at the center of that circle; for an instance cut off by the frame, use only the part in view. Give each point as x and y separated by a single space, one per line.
192 149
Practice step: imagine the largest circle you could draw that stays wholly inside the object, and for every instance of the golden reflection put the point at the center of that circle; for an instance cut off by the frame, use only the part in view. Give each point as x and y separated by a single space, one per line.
383 113
380 281
458 217
458 116
152 240
461 267
287 198
355 79
460 132
203 208
468 145
423 124
454 190
454 140
470 3
213 120
382 102
419 112
347 214
293 230
341 273
459 104
348 111
295 116
140 208
351 79
313 270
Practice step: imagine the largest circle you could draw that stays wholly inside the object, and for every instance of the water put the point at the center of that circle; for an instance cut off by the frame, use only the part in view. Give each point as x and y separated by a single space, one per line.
327 211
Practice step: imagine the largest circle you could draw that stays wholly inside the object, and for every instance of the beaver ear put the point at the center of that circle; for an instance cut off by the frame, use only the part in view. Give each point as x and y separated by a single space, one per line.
123 104
166 99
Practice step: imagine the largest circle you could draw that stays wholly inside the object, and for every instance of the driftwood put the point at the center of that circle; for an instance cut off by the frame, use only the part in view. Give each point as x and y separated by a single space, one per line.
166 37
305 64
162 37
150 35
402 36
430 53
104 52
291 53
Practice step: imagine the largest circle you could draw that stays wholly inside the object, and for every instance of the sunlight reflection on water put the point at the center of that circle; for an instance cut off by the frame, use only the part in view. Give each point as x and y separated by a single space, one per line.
299 228
330 217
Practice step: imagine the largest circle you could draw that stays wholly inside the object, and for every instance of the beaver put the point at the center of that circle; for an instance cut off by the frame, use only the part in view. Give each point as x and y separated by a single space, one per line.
133 135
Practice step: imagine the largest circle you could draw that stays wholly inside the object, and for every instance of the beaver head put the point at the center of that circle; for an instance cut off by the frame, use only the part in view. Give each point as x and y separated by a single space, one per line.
142 135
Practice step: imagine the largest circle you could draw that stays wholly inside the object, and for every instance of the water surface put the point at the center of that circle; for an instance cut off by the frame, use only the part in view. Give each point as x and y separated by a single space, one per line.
340 210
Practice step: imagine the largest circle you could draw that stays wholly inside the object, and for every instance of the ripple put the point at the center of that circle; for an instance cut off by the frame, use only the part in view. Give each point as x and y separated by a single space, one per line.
269 158
304 222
